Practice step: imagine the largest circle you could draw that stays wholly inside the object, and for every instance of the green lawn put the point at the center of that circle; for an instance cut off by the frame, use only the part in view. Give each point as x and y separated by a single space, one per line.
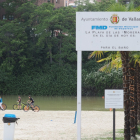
108 136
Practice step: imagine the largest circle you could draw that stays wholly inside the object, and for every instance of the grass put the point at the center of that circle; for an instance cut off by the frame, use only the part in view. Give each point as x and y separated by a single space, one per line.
109 136
119 135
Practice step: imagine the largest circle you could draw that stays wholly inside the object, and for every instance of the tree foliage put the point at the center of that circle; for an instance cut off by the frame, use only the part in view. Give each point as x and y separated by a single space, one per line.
37 49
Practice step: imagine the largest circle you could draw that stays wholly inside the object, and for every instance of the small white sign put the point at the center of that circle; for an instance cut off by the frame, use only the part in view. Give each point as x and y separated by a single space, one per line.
114 99
108 31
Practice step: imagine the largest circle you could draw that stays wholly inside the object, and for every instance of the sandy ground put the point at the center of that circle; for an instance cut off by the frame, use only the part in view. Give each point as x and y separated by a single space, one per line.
58 125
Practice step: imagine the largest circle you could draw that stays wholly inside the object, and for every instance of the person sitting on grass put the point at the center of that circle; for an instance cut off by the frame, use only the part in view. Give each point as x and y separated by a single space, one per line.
1 103
19 102
31 101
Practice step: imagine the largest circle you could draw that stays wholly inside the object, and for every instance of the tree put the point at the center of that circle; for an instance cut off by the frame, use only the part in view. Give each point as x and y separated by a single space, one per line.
12 44
48 23
86 5
129 82
10 6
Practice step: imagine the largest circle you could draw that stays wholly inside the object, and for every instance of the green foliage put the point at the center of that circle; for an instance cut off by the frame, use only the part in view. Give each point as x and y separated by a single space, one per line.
12 44
117 7
34 60
51 81
96 6
98 81
135 2
11 6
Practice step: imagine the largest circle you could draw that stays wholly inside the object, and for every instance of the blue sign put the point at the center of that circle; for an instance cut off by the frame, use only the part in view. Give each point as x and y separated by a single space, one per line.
99 27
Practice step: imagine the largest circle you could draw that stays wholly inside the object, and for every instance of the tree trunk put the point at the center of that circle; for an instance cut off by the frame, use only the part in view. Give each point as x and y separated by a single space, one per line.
132 100
138 93
135 99
125 66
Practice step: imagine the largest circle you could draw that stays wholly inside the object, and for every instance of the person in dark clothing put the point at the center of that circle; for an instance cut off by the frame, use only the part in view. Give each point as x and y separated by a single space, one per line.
31 101
19 102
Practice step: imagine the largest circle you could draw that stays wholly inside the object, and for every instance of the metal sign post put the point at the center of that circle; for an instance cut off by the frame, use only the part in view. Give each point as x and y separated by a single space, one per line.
79 90
113 99
113 123
104 31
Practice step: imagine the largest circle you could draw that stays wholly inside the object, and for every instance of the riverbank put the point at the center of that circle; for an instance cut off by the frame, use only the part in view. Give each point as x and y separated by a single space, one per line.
58 125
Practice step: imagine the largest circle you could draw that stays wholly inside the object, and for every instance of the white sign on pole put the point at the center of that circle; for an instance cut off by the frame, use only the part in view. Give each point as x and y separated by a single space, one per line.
113 98
108 31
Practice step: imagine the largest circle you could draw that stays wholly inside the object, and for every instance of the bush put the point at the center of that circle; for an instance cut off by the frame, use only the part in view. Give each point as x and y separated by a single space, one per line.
95 83
51 80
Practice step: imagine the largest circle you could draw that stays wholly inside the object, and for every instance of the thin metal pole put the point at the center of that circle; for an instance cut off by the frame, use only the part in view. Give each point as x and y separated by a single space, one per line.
79 90
75 117
113 123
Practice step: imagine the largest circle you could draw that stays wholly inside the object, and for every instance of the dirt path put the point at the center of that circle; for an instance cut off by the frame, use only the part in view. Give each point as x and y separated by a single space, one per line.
58 125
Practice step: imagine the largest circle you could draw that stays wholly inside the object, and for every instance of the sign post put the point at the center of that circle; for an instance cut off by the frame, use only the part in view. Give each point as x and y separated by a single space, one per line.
104 31
113 99
113 123
79 91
